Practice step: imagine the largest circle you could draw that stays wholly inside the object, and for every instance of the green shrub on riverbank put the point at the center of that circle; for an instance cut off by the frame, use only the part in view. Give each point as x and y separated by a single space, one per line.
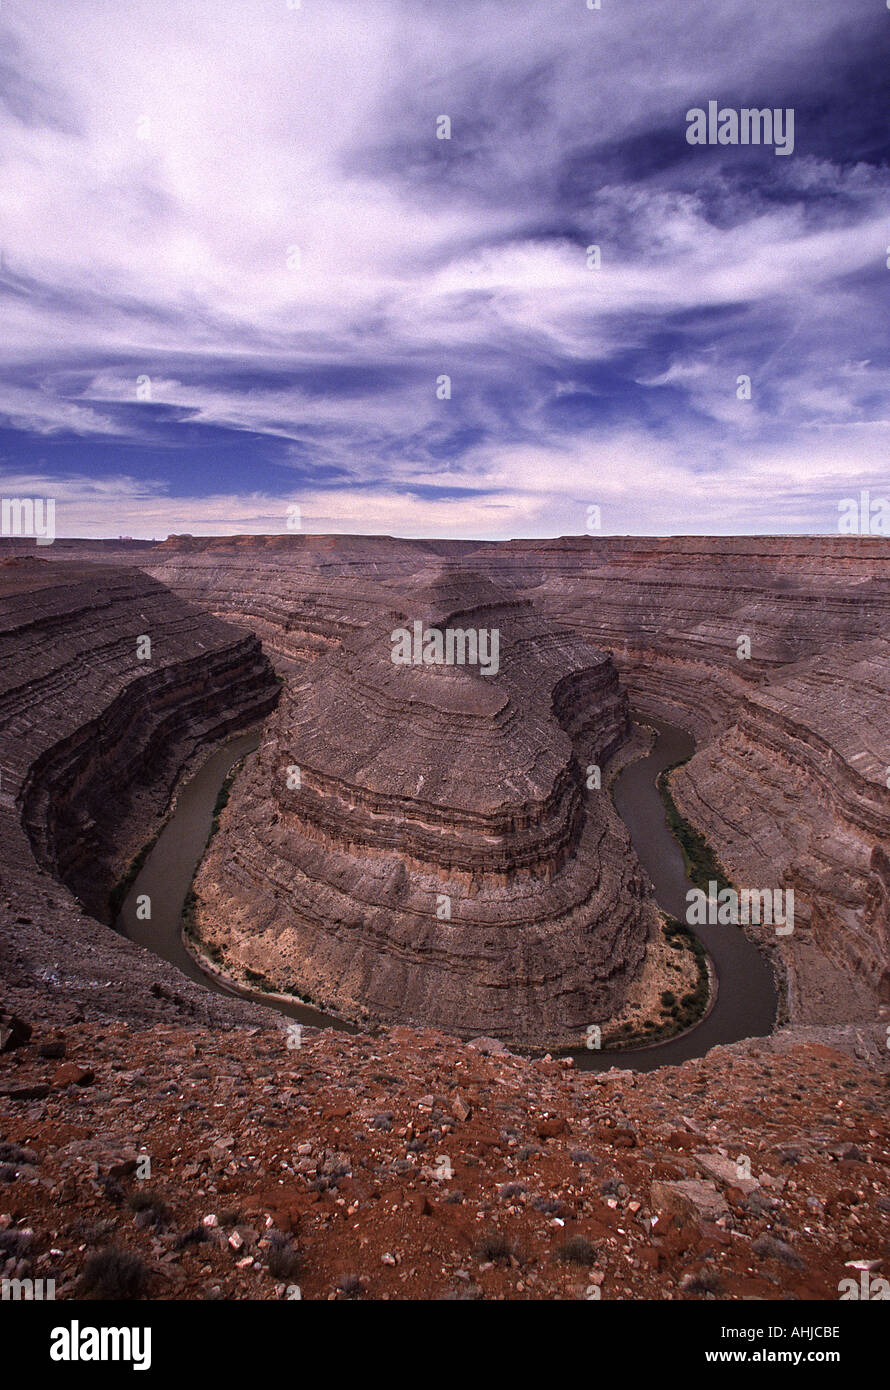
118 895
223 798
701 863
689 1009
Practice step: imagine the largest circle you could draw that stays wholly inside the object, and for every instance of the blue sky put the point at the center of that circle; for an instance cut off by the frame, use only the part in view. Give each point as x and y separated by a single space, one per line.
169 362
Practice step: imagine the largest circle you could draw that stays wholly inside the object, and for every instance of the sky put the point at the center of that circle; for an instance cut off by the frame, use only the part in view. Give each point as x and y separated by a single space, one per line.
238 262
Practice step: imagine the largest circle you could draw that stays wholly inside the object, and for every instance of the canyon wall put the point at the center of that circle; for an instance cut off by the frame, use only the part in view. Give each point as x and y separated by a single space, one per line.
93 742
789 781
794 794
442 857
789 784
803 752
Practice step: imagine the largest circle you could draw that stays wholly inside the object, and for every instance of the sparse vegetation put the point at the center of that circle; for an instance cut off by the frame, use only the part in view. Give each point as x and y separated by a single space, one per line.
261 982
111 1274
198 1235
577 1250
704 1281
701 862
283 1258
149 1208
223 795
15 1244
492 1246
118 895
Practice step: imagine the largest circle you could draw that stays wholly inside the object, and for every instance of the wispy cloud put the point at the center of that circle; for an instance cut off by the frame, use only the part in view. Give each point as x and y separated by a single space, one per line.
236 262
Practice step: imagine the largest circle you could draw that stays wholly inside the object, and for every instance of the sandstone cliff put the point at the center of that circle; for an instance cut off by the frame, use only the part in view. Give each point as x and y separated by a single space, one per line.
671 612
797 788
93 742
442 859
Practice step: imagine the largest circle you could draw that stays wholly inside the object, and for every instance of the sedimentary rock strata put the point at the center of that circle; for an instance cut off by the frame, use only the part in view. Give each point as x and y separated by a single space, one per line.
442 858
93 741
808 756
670 613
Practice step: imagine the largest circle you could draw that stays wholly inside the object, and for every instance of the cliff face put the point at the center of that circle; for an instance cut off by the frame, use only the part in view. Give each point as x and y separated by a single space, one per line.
802 753
790 782
94 740
442 858
672 611
797 787
789 785
806 764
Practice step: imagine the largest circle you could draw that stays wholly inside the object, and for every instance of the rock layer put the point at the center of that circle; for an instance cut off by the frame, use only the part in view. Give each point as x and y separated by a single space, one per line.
809 757
442 858
93 741
670 612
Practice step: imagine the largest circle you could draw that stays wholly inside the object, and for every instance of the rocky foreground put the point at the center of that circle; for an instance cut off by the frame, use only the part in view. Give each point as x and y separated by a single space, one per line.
410 1165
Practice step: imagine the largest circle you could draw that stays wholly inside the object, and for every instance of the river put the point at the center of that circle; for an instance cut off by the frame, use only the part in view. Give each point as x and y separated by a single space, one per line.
166 877
746 998
746 1001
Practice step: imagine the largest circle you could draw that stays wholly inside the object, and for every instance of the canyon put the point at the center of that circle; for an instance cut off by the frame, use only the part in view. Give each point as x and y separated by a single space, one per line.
789 781
449 866
788 784
95 742
443 862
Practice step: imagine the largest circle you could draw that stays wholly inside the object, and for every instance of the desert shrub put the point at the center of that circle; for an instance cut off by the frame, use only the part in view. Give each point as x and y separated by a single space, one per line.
704 1281
493 1246
149 1208
283 1257
15 1244
576 1250
198 1235
111 1273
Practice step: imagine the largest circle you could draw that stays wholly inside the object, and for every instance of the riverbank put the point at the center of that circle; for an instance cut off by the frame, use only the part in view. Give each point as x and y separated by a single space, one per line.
704 869
165 877
743 993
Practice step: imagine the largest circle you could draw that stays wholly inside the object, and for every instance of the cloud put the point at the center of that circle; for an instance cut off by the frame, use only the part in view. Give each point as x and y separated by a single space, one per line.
248 206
